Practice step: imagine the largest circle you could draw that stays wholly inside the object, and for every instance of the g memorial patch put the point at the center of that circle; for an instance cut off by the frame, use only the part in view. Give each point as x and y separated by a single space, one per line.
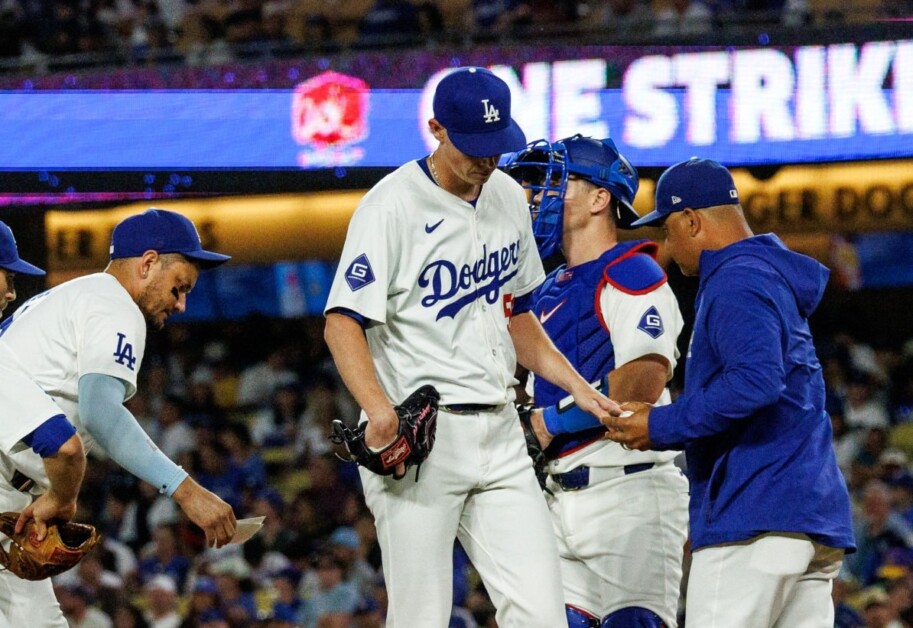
651 323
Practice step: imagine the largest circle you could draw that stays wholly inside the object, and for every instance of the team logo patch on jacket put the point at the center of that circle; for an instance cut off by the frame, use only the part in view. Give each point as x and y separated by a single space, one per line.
651 323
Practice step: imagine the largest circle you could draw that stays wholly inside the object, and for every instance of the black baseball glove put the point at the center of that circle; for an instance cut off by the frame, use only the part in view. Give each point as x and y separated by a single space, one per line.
533 448
413 442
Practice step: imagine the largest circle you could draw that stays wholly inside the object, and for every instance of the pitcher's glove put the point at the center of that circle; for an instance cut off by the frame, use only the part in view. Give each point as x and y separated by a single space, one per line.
413 442
31 559
533 448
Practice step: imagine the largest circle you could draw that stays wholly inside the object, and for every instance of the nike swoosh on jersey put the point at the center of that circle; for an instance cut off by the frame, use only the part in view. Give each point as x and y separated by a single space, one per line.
544 316
430 228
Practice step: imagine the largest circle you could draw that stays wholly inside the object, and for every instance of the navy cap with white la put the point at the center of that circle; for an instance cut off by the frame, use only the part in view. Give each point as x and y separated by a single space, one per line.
162 231
474 106
9 254
692 184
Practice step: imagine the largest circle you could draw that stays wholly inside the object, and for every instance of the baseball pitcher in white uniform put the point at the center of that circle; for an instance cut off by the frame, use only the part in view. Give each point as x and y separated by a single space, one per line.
432 287
69 358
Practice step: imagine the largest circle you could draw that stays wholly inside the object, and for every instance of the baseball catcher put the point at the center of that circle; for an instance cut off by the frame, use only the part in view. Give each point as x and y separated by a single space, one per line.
64 545
412 444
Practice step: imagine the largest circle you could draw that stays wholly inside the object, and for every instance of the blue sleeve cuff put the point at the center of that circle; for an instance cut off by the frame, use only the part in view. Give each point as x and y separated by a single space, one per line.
47 439
358 318
522 304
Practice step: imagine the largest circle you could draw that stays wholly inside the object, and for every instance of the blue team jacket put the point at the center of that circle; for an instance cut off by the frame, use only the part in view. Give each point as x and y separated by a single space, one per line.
751 420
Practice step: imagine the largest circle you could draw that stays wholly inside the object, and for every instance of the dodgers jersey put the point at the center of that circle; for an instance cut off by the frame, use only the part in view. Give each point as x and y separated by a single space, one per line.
603 314
87 325
436 278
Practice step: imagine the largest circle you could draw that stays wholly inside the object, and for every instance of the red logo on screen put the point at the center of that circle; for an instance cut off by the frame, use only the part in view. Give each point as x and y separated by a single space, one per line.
330 111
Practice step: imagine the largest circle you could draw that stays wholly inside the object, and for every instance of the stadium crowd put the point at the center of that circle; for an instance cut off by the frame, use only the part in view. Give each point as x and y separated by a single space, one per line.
246 407
209 32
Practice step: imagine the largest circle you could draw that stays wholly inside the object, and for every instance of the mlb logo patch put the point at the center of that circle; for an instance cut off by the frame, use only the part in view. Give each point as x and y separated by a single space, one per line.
651 323
359 274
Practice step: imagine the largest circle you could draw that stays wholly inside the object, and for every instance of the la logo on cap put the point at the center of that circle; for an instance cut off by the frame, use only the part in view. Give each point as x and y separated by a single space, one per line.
491 113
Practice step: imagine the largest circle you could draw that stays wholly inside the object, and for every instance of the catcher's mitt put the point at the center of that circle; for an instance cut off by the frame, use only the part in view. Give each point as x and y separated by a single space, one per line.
533 448
413 442
31 559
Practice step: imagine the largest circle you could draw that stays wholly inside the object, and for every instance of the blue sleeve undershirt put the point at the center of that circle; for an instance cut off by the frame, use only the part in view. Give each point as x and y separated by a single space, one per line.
104 416
49 437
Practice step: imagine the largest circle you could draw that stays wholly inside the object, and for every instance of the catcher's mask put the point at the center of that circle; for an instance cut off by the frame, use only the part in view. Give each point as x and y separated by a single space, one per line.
543 168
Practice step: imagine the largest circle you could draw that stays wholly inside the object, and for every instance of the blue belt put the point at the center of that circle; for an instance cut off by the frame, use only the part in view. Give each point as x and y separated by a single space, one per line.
468 408
581 477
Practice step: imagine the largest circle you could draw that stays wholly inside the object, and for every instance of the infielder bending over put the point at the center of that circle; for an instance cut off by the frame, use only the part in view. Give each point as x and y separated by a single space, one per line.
770 514
433 288
69 358
621 516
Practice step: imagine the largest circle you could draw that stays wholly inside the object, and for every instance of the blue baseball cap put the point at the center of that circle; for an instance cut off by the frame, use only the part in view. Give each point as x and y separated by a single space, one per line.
692 184
162 231
9 254
474 106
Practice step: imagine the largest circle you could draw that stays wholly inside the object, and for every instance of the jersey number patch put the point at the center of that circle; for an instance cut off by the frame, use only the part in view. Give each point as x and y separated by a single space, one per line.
124 352
651 323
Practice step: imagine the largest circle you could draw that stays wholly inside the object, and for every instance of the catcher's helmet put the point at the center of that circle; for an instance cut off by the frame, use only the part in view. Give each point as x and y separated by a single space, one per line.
543 169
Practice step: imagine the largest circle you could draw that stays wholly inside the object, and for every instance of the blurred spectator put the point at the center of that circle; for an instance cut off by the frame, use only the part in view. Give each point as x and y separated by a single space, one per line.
275 425
902 494
334 601
258 382
389 22
865 465
204 597
496 18
101 582
76 602
626 17
232 576
683 18
275 536
244 22
878 530
328 494
861 408
877 610
287 604
244 457
324 403
845 615
128 616
161 592
216 472
175 436
200 411
346 546
164 556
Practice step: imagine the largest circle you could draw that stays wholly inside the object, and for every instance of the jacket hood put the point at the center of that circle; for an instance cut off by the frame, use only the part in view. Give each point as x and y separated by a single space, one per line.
805 276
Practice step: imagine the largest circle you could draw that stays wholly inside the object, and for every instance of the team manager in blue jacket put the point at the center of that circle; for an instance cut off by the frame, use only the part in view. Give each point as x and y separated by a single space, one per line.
770 513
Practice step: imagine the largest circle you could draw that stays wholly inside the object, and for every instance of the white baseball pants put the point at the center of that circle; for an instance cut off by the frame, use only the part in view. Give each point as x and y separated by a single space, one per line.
477 485
776 580
621 542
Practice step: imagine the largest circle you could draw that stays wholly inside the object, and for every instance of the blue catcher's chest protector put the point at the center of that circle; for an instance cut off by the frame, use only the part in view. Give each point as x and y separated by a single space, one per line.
567 305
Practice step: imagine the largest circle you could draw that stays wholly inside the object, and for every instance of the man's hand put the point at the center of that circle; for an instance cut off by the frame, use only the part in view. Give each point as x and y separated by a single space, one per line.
382 429
537 422
208 511
591 400
47 507
631 429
